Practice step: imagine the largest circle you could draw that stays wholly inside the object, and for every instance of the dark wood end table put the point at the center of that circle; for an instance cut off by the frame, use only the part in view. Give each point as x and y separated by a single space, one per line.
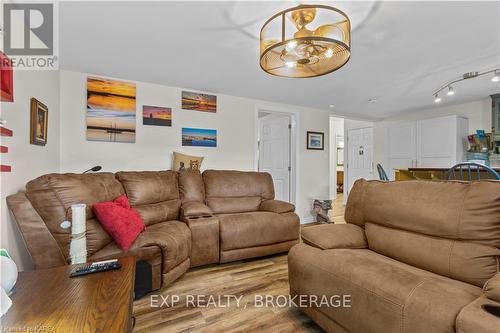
50 301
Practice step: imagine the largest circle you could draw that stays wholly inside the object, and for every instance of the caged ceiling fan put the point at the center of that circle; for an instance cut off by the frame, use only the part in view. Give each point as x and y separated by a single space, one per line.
305 41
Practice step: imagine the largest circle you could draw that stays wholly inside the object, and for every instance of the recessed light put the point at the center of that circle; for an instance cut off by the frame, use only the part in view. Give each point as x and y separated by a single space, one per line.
372 100
331 105
437 99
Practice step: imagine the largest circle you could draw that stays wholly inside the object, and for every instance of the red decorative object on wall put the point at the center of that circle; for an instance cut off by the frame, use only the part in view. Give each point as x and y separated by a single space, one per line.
6 79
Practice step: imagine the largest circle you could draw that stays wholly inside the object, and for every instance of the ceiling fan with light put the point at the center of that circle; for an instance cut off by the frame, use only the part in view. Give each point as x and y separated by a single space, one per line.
305 41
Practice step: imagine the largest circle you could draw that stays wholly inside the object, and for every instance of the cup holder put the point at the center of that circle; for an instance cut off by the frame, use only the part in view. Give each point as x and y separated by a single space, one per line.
492 309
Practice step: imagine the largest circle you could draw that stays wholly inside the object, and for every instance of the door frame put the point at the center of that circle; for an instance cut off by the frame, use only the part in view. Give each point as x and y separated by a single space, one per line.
294 143
346 157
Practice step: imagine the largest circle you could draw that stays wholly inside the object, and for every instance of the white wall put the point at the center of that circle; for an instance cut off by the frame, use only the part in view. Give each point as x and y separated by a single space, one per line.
27 161
478 113
235 122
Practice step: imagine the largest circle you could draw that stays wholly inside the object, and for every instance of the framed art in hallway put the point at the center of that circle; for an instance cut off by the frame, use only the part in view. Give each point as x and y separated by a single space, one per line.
156 116
315 140
39 118
110 110
198 137
199 102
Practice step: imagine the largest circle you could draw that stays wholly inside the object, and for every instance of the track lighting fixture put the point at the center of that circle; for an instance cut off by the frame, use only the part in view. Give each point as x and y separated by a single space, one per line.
496 76
465 76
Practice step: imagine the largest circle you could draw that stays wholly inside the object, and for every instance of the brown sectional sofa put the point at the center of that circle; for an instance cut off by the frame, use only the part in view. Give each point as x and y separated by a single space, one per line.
414 256
191 219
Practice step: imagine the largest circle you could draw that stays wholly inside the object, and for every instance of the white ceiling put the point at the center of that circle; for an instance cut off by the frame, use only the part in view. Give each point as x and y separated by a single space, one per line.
401 51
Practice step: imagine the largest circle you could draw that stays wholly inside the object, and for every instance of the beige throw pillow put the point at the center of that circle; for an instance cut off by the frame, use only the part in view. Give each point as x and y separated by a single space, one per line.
186 162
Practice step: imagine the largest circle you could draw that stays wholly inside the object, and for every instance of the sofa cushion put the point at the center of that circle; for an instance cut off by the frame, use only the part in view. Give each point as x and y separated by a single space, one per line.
52 196
334 236
464 261
173 238
468 211
237 191
492 288
238 231
276 206
191 187
386 295
155 194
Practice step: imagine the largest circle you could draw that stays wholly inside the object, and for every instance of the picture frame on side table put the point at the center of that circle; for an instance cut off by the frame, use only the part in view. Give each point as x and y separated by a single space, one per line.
39 119
315 140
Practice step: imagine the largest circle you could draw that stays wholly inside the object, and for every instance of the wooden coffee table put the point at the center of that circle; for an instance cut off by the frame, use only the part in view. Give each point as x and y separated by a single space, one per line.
50 301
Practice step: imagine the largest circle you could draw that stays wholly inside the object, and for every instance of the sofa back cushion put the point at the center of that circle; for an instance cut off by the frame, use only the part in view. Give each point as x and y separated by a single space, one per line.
459 260
154 194
236 191
465 211
191 187
52 196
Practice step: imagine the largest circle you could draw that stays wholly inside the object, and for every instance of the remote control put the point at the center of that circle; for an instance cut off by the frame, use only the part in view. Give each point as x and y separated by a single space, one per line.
94 268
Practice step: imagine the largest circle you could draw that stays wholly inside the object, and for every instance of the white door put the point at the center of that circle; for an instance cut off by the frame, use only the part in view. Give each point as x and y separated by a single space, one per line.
359 155
401 141
274 152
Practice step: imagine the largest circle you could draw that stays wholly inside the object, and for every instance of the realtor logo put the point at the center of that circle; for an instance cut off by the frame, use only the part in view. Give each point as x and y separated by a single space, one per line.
29 35
29 29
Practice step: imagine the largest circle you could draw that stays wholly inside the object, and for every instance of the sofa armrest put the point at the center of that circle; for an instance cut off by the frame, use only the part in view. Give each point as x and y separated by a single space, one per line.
42 246
195 208
491 288
473 318
335 236
276 206
205 240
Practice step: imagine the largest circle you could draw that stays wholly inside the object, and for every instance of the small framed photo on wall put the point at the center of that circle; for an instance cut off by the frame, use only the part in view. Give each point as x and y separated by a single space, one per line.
315 140
38 123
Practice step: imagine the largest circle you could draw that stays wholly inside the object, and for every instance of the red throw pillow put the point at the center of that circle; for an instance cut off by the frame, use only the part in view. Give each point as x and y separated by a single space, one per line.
123 223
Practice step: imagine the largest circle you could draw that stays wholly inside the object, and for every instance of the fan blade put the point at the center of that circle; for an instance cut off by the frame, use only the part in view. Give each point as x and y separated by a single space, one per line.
324 30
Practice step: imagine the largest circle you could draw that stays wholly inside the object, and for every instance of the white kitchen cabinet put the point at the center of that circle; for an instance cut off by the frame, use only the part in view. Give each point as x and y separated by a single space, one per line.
428 143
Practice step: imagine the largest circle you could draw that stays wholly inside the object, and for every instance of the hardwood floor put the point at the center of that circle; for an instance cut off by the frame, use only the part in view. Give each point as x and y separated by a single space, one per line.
338 209
246 279
264 276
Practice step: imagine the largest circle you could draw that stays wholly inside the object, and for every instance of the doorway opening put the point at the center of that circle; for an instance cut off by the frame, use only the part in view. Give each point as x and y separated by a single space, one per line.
276 150
336 156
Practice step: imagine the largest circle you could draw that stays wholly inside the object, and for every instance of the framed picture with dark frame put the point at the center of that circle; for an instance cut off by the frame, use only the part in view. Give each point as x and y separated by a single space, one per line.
38 122
315 140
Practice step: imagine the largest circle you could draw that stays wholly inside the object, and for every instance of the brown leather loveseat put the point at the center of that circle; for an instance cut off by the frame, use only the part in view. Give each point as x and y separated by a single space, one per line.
414 256
191 219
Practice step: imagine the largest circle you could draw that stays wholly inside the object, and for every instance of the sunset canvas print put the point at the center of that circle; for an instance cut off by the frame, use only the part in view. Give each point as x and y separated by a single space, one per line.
110 110
156 116
197 137
199 102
